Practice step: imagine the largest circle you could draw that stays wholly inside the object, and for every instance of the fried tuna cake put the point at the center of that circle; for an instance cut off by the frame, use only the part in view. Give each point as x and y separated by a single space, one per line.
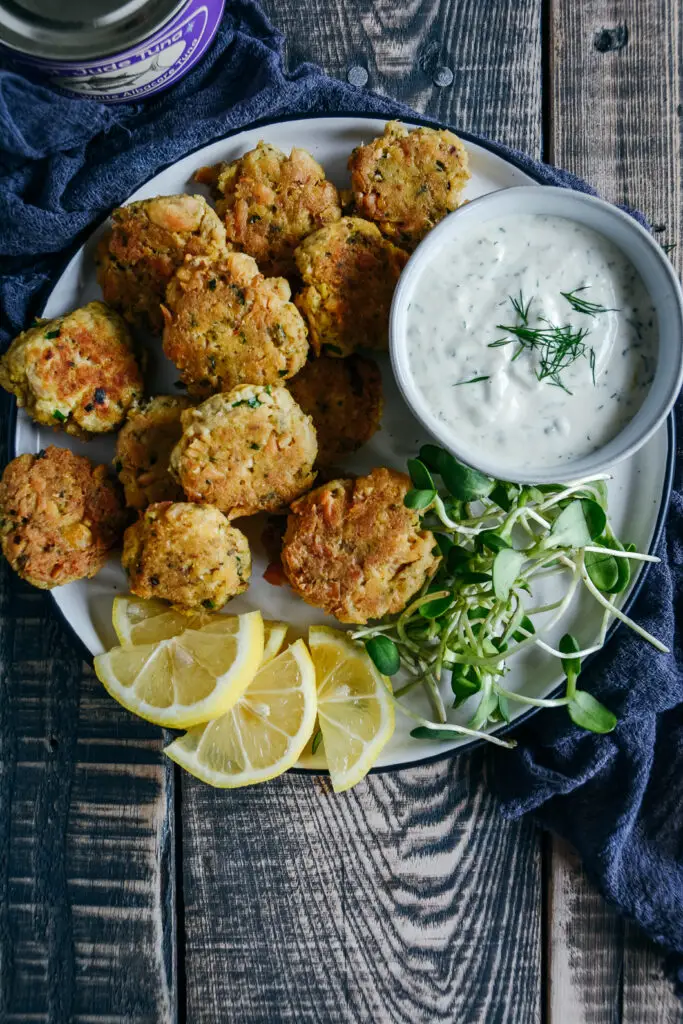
271 201
143 450
344 399
77 371
148 241
227 324
248 450
407 181
59 516
353 549
187 554
350 273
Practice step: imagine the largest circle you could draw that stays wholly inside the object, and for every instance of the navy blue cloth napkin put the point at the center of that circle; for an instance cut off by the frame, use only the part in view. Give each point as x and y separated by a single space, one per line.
65 163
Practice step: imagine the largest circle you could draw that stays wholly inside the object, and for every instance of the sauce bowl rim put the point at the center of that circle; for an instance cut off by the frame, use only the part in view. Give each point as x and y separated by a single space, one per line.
671 325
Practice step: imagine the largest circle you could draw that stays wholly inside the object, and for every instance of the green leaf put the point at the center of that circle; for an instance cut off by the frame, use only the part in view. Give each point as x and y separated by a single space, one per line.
570 529
487 704
463 482
473 577
595 517
477 613
453 508
442 735
317 740
492 540
419 499
504 707
384 654
52 334
458 558
500 496
603 570
503 495
420 475
526 624
568 645
624 567
59 416
601 487
430 455
463 686
590 714
433 609
506 568
445 543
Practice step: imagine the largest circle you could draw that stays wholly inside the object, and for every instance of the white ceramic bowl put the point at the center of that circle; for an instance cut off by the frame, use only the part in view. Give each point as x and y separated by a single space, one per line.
646 256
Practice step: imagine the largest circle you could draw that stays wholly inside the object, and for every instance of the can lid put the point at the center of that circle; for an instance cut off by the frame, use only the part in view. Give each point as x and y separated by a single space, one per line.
74 30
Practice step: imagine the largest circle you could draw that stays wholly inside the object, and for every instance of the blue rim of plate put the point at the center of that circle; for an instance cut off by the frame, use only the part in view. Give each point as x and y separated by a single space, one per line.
508 157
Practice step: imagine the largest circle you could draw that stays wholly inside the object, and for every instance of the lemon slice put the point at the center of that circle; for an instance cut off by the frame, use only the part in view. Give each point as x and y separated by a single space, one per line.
274 634
137 621
186 679
263 734
140 621
355 709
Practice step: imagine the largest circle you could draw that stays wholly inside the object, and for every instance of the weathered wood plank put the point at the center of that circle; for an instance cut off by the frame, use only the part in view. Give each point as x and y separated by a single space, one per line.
86 836
647 997
404 901
487 53
408 899
615 93
585 940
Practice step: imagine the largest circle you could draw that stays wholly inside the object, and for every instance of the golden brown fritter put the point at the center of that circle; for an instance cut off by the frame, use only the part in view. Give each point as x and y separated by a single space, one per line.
350 273
353 549
227 324
249 450
344 398
143 449
59 516
270 202
186 554
77 372
148 241
407 181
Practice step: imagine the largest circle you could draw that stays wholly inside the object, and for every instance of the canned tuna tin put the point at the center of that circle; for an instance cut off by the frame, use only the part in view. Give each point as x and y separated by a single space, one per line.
114 51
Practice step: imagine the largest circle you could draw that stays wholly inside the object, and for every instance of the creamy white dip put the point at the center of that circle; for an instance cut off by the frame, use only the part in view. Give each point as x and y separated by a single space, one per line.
461 297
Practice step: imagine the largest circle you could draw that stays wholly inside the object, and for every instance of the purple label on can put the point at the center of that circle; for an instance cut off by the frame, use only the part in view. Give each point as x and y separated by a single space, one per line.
148 67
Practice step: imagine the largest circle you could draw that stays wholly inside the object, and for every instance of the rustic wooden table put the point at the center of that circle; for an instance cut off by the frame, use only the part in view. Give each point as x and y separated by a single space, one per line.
129 893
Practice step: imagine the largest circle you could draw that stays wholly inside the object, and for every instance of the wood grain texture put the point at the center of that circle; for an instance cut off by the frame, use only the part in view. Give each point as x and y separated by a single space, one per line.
585 939
492 49
615 115
86 835
86 841
648 998
407 900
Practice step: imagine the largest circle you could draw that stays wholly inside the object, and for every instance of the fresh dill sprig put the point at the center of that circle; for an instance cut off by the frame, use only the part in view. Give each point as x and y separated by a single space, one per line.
472 380
558 347
521 309
583 305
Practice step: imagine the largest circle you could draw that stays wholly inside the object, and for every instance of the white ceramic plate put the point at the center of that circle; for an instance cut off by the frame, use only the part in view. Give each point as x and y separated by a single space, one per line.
638 491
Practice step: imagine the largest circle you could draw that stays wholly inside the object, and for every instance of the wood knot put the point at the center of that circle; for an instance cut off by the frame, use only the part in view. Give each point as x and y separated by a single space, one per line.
429 58
607 40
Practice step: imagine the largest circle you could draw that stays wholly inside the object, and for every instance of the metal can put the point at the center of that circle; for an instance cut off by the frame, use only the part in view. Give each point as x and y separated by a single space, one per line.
114 51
